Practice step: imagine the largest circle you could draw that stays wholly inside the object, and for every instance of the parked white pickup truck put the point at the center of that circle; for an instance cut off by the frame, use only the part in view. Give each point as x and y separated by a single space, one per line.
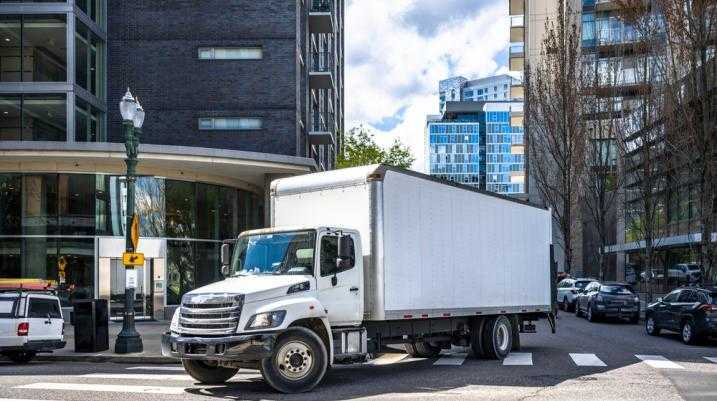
30 322
362 258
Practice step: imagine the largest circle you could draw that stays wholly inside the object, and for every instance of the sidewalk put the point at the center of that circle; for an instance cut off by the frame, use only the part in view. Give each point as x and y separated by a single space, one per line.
151 333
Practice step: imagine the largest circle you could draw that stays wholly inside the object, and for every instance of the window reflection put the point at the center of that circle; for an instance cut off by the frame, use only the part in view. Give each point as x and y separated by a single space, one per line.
88 123
33 48
87 59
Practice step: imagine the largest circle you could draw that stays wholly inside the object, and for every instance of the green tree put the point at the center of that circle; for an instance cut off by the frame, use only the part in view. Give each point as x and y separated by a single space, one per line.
360 149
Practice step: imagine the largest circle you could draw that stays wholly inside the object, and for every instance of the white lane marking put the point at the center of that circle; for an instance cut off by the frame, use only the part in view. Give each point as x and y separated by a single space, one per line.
658 362
711 359
387 359
138 376
158 368
519 359
455 359
20 399
587 360
105 388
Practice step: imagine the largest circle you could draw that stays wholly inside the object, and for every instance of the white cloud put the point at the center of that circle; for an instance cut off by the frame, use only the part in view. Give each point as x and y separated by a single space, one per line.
393 67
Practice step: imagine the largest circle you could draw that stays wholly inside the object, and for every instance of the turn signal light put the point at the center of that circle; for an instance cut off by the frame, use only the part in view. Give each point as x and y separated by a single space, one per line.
22 329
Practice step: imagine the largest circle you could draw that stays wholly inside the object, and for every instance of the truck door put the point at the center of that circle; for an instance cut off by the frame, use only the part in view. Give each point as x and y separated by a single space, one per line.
339 289
45 318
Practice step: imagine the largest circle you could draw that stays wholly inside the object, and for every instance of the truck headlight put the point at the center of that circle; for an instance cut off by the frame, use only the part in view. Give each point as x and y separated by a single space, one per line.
174 326
266 320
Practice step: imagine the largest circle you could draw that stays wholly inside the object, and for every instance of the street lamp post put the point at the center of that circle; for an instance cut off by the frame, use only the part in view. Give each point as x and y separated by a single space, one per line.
129 340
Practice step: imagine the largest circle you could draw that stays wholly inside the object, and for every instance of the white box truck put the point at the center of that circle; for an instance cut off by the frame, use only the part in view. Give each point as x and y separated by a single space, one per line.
361 258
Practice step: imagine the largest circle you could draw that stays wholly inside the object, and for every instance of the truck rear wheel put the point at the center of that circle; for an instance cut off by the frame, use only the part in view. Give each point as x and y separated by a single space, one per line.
477 326
497 337
21 357
298 363
208 372
421 349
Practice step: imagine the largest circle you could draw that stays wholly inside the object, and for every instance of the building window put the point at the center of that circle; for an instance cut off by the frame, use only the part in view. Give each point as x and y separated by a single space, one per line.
33 48
88 123
231 53
33 117
92 8
230 123
87 60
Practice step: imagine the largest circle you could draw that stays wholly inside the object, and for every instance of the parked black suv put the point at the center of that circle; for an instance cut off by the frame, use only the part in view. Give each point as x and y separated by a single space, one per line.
616 300
690 311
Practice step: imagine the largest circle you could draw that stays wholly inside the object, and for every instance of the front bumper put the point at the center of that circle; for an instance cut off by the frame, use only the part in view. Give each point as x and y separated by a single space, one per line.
242 348
622 312
37 346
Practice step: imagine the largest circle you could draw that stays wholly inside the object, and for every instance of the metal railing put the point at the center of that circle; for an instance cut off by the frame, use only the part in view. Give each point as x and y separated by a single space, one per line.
321 61
320 6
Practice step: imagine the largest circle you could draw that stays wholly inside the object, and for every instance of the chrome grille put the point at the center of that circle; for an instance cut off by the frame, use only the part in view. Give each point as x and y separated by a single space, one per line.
210 314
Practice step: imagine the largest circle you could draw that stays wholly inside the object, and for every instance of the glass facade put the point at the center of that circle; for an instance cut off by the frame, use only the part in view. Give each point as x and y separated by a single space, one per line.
53 220
505 163
34 50
455 152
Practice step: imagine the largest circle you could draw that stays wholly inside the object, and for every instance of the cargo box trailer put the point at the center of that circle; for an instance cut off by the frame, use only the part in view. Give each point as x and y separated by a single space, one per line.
362 258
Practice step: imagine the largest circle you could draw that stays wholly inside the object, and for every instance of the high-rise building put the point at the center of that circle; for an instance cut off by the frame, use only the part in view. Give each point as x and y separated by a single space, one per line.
460 89
236 93
474 143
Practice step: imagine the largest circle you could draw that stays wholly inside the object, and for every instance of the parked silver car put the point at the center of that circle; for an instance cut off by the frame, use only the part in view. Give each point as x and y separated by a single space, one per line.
568 290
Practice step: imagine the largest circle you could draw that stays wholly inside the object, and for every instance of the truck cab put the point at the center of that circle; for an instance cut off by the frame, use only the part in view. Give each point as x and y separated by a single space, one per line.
306 282
30 323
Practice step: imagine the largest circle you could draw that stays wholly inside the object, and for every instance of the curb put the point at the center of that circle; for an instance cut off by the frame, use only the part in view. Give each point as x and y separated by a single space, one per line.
148 359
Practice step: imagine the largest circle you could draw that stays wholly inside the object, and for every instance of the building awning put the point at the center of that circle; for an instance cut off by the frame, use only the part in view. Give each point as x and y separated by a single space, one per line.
240 169
666 242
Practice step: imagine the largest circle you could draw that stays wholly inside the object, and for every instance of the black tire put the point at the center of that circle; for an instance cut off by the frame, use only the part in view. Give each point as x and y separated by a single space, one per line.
651 326
497 337
477 350
577 309
515 334
590 315
688 333
21 357
569 306
563 305
208 372
297 347
635 319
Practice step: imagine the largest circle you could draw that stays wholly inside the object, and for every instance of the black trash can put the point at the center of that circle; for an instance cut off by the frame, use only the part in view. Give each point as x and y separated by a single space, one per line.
91 320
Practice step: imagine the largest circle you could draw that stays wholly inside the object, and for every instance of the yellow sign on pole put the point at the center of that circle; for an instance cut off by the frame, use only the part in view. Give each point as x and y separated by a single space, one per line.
134 232
61 265
132 259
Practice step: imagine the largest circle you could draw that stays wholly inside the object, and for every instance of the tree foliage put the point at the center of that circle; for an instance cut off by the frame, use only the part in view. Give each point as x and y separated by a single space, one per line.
360 149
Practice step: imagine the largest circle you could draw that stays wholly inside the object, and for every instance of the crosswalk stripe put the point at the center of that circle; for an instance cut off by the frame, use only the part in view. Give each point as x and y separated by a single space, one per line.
455 359
711 359
158 368
658 362
138 376
587 360
105 388
519 359
387 359
20 399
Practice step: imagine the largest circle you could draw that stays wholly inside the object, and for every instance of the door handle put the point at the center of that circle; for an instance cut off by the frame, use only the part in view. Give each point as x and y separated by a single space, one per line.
354 289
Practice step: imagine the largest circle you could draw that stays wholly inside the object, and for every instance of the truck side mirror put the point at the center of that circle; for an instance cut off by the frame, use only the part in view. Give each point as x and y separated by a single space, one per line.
225 259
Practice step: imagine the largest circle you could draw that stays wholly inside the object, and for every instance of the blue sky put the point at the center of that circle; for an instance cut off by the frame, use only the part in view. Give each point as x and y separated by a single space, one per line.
398 50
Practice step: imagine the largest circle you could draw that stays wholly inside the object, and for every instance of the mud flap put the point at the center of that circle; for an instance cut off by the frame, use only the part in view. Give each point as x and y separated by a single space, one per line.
552 322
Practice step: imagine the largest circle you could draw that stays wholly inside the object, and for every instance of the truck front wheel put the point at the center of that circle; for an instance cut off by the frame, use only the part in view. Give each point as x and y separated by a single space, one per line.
298 362
497 337
208 372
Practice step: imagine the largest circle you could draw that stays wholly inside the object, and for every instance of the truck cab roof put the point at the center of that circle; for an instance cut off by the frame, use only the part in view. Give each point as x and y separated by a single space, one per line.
275 230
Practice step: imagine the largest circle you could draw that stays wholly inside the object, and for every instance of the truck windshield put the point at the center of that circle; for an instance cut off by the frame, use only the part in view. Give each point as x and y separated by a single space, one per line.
277 254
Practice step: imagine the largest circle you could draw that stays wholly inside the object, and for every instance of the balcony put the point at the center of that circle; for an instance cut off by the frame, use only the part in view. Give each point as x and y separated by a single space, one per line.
321 131
321 70
321 18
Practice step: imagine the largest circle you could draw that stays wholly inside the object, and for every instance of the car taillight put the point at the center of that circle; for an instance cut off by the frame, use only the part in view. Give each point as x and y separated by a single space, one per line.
708 308
23 328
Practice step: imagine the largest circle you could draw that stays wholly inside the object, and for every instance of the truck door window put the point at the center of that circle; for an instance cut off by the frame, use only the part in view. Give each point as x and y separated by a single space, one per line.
41 308
330 252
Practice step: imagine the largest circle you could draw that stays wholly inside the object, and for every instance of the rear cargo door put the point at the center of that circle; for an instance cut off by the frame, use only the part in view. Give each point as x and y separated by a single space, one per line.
340 289
45 318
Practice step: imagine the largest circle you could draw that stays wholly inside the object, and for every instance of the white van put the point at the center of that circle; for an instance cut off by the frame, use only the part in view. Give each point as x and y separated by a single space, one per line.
30 322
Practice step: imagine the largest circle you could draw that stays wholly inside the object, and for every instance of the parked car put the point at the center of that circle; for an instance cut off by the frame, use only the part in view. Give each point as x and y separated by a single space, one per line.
30 322
568 290
690 311
610 300
687 272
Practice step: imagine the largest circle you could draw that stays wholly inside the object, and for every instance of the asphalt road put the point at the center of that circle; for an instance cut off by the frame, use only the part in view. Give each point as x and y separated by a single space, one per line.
544 369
